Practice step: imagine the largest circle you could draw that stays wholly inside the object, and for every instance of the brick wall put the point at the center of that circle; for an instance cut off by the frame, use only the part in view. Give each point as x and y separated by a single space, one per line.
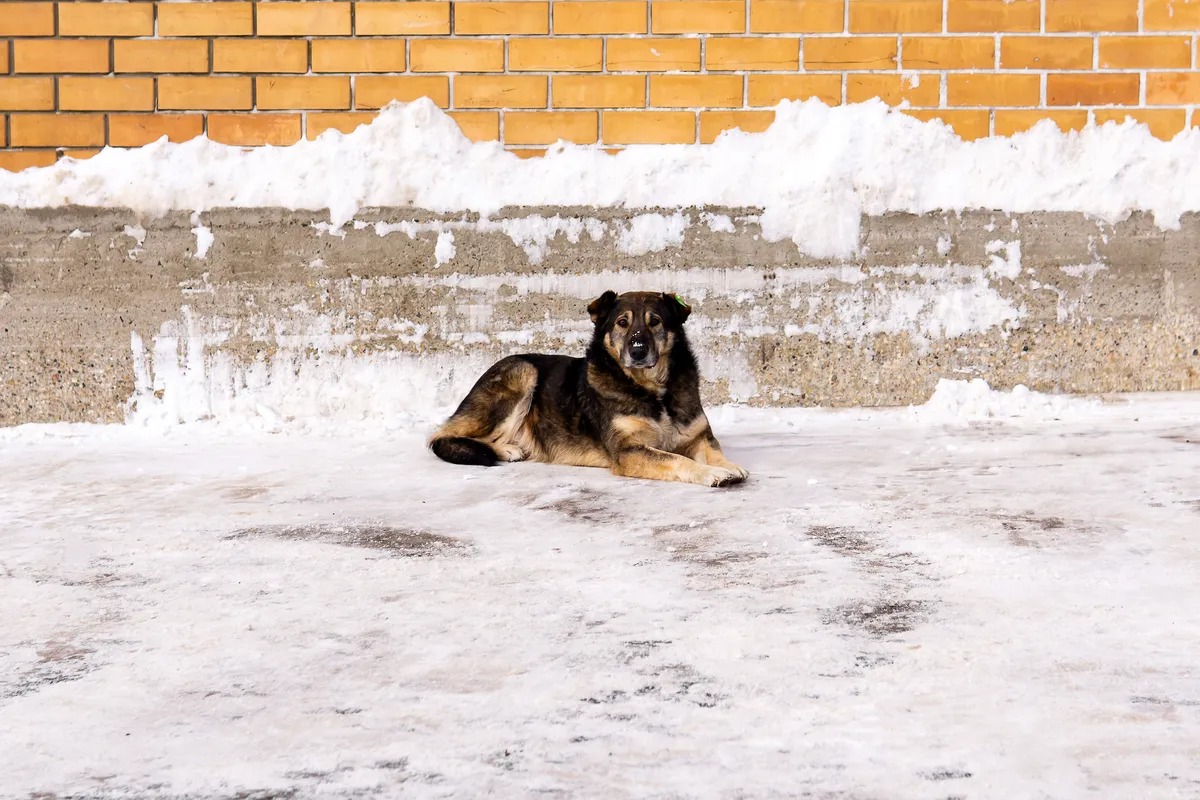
75 76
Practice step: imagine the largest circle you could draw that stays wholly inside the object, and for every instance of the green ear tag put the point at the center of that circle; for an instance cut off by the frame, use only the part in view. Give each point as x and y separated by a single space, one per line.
679 300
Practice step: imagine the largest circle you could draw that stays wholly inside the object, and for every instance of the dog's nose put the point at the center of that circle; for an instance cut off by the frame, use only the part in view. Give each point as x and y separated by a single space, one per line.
638 349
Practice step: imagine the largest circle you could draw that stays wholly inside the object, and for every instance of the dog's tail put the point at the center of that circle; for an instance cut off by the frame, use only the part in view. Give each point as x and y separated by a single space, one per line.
461 450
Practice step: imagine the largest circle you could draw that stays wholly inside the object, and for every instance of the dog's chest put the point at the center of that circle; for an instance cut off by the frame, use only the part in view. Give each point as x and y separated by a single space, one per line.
674 434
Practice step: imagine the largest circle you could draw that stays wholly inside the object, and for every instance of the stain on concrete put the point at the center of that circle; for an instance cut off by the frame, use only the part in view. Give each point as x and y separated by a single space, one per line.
882 618
586 505
393 540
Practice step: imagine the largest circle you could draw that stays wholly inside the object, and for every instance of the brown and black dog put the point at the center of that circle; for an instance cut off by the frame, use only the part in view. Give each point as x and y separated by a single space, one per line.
632 404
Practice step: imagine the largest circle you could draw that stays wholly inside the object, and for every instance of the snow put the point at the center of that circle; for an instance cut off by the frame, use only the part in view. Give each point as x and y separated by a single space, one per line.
959 401
814 173
444 250
312 371
906 603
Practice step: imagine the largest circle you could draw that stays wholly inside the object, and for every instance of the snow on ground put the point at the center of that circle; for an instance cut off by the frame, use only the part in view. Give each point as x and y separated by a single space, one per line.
814 172
987 597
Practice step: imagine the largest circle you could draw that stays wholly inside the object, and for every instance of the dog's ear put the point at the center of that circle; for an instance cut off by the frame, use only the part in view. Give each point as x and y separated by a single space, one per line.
675 303
599 308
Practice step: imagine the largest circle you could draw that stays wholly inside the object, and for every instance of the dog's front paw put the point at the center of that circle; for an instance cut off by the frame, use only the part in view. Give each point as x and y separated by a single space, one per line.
741 472
719 476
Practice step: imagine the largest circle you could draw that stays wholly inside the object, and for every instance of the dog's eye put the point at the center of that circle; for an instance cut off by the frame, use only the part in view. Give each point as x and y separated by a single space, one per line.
622 323
655 322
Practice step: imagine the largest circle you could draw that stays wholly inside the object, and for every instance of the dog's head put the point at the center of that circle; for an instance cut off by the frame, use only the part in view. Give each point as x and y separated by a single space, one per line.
639 329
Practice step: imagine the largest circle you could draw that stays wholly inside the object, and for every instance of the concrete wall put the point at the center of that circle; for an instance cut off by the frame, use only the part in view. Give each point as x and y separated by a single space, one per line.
94 310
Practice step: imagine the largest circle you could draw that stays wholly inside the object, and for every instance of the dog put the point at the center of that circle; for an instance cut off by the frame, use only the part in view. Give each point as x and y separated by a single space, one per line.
631 404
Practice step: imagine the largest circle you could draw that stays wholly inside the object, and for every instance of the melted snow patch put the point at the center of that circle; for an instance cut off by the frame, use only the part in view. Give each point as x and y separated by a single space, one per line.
444 250
648 233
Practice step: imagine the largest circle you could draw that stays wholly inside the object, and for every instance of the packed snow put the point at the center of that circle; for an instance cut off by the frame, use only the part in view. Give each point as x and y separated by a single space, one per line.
989 595
814 173
981 597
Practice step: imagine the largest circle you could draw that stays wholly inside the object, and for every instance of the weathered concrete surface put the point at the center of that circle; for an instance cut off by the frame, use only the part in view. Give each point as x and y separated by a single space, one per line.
1086 307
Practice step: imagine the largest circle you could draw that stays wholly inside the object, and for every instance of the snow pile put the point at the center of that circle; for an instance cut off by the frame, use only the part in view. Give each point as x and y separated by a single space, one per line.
964 401
814 172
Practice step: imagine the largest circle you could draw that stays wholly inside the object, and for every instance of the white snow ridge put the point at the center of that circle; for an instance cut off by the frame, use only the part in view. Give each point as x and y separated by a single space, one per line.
814 172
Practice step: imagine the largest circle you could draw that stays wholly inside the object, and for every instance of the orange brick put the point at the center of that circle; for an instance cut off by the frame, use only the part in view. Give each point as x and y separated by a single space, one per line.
599 16
968 124
994 16
478 126
27 19
1163 123
1091 15
690 91
797 16
135 130
768 90
1173 88
80 155
895 16
1172 15
60 55
527 152
376 91
547 127
105 19
649 127
555 55
4 132
1011 121
27 94
206 19
251 130
3 59
177 93
698 16
303 19
599 91
993 90
106 94
345 121
917 90
456 55
848 52
500 91
260 55
358 55
1046 52
714 123
653 55
948 52
57 130
417 18
160 55
1146 52
17 160
283 93
480 17
1093 89
770 54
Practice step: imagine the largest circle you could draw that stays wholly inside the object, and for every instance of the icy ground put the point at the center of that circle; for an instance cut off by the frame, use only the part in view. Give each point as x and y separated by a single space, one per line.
898 604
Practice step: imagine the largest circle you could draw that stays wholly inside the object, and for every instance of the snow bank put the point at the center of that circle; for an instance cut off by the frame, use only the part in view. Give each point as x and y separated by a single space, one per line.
814 172
964 401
